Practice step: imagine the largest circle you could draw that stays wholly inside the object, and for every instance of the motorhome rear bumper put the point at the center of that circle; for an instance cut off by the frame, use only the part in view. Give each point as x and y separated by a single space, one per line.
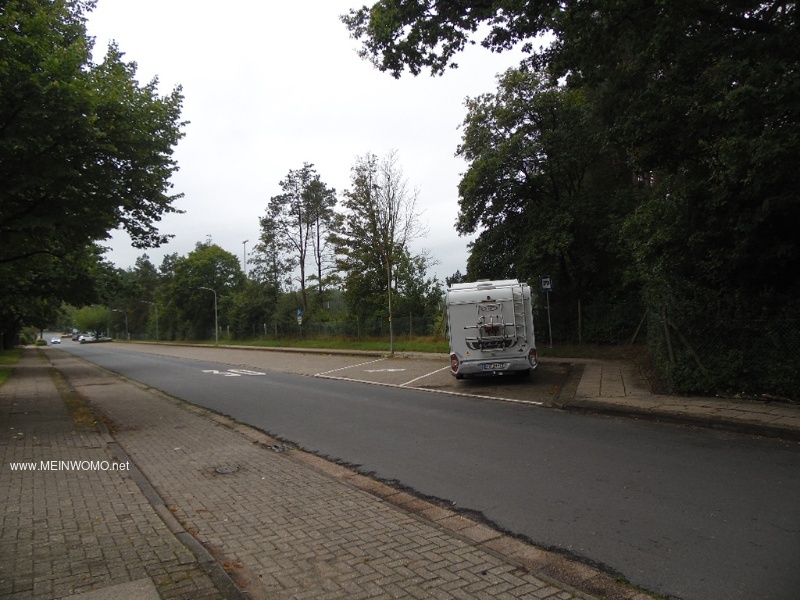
490 366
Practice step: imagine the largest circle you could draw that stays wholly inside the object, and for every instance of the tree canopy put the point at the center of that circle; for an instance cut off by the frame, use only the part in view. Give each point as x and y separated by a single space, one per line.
207 267
84 148
542 194
381 220
298 222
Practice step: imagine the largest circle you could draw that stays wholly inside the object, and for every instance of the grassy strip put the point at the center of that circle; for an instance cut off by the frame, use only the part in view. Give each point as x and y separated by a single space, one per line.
8 358
438 346
402 345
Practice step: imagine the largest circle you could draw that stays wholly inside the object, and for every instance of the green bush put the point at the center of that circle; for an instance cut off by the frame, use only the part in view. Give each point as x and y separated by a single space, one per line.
703 352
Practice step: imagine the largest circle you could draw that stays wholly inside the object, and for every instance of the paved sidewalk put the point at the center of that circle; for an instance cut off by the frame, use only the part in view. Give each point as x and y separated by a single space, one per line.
66 531
616 387
280 522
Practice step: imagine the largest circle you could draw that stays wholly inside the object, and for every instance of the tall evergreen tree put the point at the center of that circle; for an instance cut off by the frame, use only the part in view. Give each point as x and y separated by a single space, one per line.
298 221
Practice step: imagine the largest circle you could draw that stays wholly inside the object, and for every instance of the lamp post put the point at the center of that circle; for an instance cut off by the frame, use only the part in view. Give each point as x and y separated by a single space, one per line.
127 335
244 256
391 325
156 307
216 319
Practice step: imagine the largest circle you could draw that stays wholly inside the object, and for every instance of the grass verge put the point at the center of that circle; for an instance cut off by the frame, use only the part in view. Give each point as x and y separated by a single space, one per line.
8 358
635 353
400 345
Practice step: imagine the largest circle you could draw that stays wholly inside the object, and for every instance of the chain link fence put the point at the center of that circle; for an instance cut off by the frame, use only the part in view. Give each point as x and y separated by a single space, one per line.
700 353
576 323
749 357
359 328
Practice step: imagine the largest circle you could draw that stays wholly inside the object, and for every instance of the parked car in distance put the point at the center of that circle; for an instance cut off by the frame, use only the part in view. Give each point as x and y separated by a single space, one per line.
55 341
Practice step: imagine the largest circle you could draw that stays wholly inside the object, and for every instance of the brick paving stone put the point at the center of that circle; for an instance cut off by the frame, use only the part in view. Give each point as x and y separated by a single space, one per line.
64 529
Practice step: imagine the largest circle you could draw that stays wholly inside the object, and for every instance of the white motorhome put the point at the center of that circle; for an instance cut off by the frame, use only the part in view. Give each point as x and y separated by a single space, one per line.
490 324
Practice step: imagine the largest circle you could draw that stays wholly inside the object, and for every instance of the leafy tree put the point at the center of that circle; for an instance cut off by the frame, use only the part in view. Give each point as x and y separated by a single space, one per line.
428 34
93 319
380 222
32 290
457 277
417 295
251 308
271 261
208 266
164 317
323 201
543 192
136 284
298 221
84 148
699 97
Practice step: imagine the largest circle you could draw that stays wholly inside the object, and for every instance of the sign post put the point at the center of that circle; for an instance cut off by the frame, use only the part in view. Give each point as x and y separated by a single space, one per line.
300 321
546 284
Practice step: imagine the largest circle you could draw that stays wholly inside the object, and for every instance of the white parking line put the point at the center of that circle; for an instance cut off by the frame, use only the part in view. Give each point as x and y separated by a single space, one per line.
350 367
430 391
424 376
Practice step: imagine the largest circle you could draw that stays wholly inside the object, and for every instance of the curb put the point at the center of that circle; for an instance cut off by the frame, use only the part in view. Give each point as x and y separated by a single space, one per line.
219 577
550 566
331 351
590 406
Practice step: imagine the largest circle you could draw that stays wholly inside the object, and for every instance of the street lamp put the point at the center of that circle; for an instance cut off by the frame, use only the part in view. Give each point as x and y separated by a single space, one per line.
156 307
244 256
216 319
127 335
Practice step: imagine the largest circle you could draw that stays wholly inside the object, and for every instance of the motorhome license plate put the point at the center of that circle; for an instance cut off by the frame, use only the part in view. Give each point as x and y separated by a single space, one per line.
494 366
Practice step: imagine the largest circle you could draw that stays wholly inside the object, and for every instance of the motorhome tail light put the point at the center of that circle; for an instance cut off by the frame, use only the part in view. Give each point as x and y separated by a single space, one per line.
454 363
532 357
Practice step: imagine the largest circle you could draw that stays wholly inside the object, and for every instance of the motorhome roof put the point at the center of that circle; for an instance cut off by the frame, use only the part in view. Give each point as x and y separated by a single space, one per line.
485 284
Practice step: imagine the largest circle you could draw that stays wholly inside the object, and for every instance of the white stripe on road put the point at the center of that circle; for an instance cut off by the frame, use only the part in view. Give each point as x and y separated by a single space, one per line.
350 367
424 376
430 391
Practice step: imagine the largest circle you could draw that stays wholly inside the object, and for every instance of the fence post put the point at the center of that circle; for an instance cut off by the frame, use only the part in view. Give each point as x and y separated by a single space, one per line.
666 334
636 333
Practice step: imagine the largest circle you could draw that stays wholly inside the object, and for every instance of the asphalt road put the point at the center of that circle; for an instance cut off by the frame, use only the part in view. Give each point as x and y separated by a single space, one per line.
687 513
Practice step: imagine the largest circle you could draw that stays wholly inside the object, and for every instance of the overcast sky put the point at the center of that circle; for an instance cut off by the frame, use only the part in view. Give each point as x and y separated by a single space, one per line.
271 85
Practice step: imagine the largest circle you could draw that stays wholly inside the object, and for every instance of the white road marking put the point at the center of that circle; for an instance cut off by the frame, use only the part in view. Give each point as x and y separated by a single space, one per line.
430 391
245 372
233 372
223 373
424 376
350 367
